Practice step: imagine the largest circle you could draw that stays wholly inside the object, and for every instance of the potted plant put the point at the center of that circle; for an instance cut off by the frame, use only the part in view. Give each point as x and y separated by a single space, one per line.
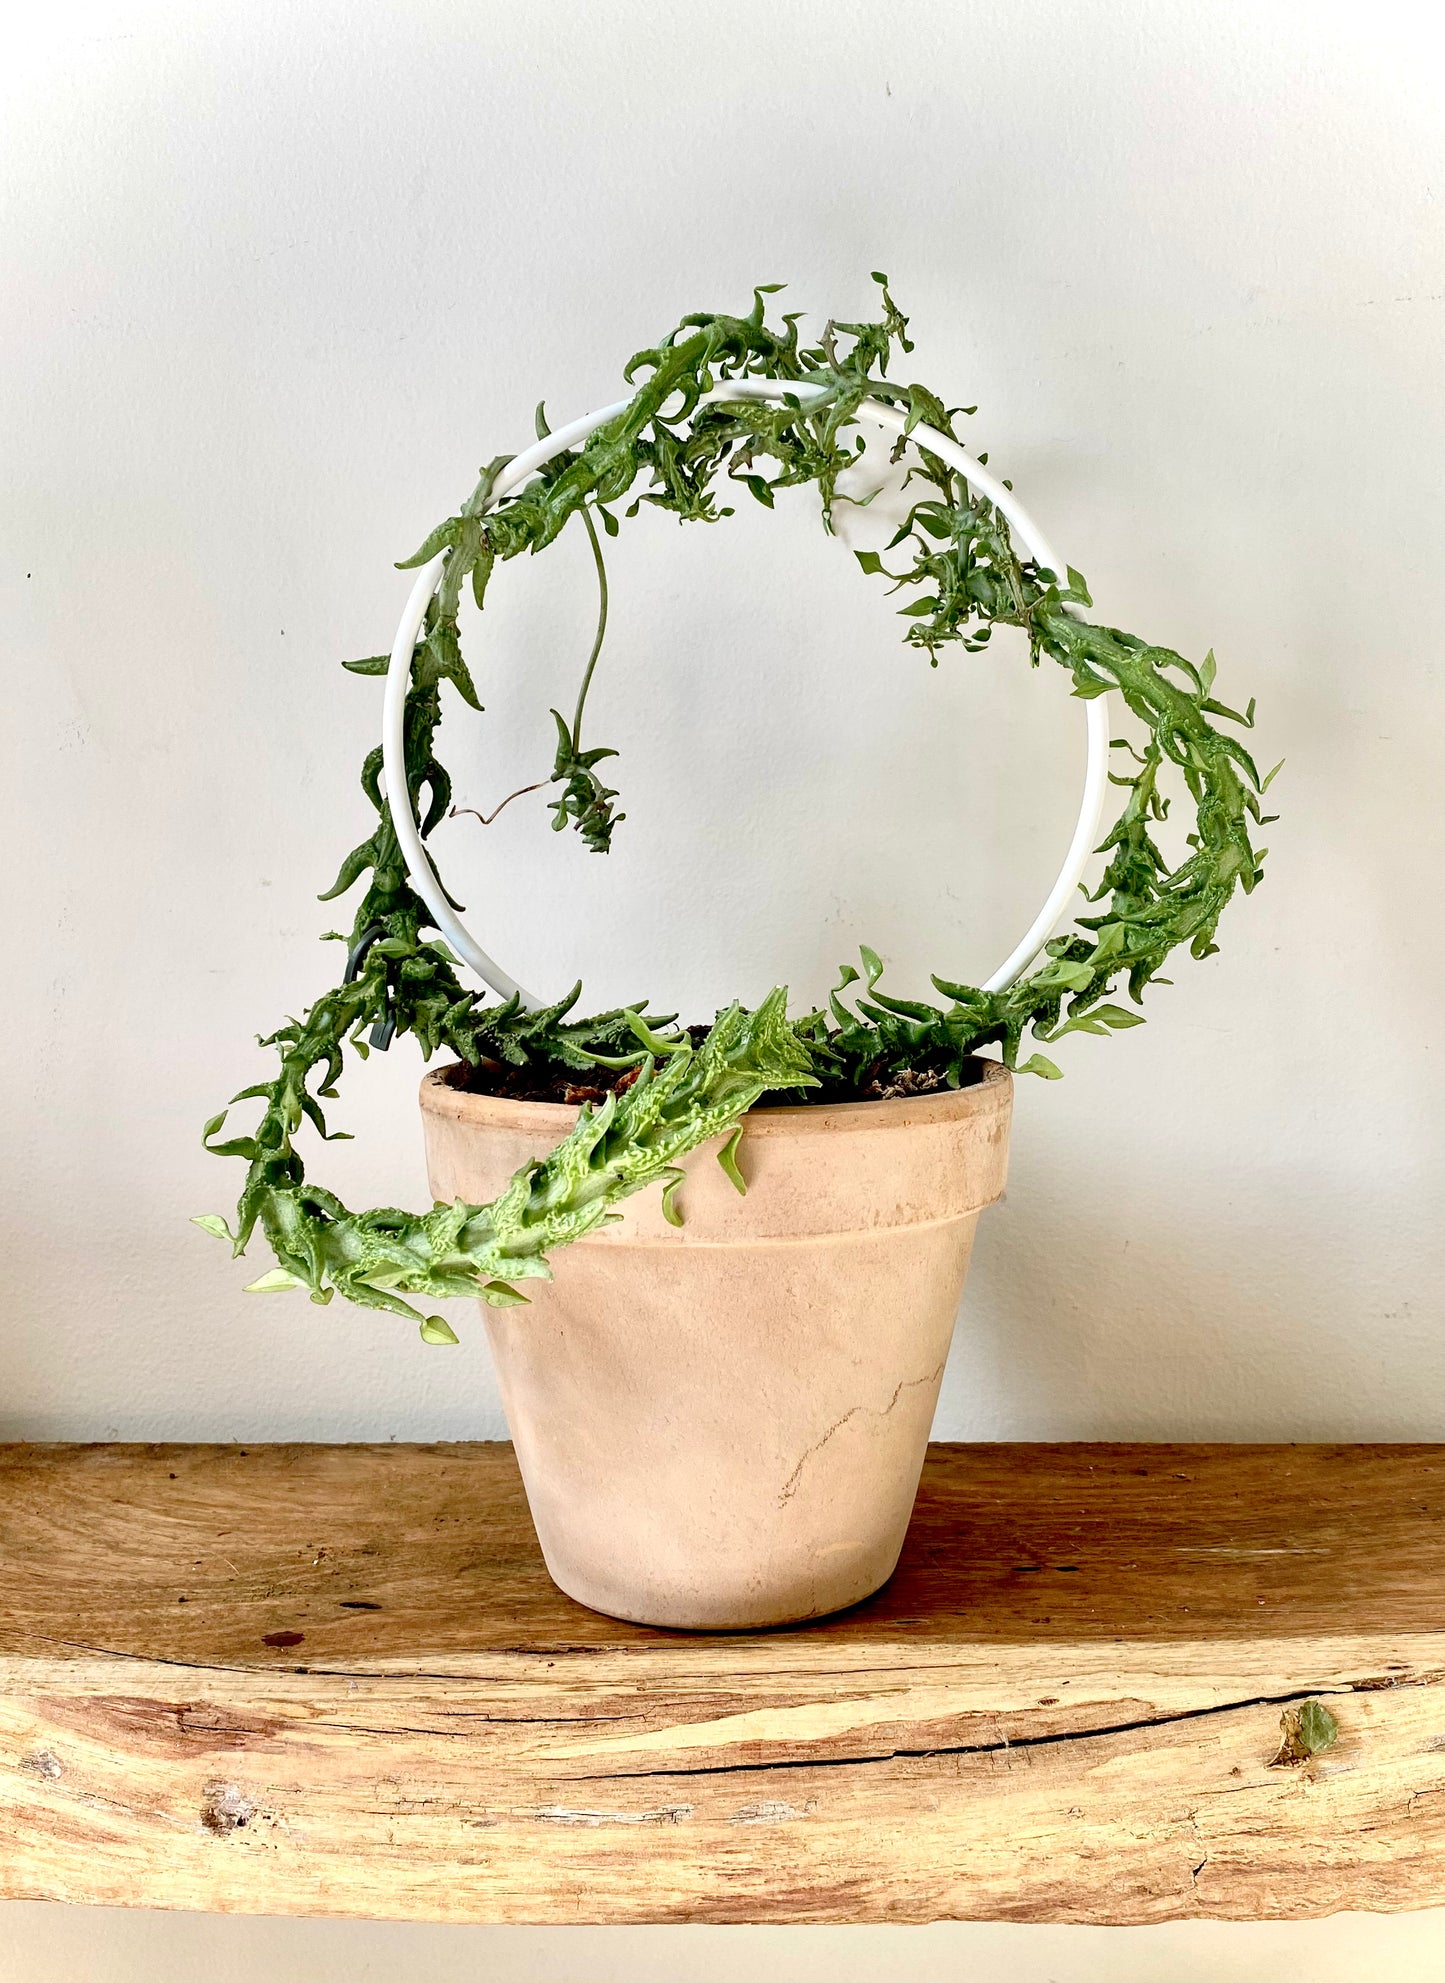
720 1388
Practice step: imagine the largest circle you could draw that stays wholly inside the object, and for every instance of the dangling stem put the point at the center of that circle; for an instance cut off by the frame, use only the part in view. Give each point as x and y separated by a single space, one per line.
460 812
601 628
598 638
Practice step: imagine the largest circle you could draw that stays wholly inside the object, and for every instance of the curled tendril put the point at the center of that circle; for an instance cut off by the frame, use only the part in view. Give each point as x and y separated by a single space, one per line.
960 577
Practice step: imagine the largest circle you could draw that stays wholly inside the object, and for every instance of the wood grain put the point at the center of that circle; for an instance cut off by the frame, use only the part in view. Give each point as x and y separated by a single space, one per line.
336 1680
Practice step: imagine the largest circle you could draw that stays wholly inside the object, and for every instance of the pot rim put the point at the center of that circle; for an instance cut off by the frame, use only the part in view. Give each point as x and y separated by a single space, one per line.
985 1096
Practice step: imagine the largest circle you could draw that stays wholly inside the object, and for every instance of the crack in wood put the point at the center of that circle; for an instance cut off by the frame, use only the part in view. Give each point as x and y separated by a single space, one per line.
463 1734
392 1673
561 1814
968 1748
540 1720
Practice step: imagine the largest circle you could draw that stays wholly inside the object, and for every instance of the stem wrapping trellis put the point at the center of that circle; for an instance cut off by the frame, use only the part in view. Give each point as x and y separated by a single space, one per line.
961 577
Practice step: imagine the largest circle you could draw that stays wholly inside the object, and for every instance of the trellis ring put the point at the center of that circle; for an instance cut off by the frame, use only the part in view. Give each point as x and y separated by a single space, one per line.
519 471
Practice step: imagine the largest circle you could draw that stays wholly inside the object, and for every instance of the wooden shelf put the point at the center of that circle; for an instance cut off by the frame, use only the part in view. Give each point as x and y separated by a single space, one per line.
336 1680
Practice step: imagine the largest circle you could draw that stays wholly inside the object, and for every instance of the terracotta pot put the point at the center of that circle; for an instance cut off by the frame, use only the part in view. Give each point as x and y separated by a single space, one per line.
721 1425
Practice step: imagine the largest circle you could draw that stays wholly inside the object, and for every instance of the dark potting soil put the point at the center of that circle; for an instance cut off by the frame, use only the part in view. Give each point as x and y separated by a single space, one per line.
548 1081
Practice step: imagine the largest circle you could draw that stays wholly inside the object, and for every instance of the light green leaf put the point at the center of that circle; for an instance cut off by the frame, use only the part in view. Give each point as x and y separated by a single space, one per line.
1041 1065
435 1330
654 1042
1117 1016
1318 1729
275 1282
671 1210
727 1156
1305 1732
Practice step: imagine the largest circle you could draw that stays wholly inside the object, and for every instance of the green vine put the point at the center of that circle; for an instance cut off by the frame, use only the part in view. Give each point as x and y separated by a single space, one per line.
961 577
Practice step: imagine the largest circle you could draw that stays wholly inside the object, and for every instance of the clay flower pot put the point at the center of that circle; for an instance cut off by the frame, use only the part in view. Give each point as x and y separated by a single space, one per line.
721 1425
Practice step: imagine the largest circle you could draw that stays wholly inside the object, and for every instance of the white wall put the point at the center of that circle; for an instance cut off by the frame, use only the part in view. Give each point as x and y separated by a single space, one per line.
277 278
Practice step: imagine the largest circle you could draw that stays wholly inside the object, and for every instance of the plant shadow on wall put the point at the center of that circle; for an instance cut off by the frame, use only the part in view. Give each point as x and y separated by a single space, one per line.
650 1091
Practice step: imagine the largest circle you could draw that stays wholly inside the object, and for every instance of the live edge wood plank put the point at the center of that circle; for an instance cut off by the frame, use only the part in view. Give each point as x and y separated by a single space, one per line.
336 1680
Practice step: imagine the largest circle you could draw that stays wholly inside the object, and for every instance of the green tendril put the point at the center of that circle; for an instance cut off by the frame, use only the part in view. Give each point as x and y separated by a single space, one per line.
959 578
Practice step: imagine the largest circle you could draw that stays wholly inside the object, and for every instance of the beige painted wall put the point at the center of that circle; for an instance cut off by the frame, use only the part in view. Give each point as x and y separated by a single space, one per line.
69 1945
275 280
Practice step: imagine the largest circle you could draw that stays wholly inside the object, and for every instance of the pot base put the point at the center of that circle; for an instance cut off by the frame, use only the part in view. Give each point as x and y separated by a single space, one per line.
721 1613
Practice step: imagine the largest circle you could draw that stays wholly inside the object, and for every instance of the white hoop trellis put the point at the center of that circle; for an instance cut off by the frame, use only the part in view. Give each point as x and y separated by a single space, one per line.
519 471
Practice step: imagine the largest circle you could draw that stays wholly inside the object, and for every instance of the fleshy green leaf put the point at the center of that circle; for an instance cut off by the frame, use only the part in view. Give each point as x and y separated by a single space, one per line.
727 1156
671 1210
1040 1064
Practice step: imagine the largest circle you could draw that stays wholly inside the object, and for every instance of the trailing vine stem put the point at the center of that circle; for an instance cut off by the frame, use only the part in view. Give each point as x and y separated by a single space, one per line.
585 800
601 634
961 577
